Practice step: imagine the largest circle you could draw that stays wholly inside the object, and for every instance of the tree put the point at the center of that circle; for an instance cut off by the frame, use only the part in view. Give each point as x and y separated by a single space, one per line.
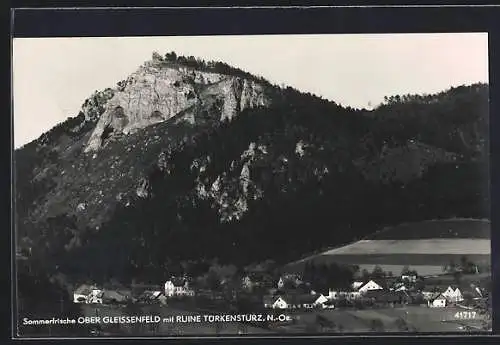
405 270
457 276
171 57
157 56
464 262
378 272
451 267
365 274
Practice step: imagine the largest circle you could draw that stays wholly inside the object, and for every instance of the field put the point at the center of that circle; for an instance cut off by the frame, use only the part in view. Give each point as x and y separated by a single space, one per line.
425 247
417 319
422 247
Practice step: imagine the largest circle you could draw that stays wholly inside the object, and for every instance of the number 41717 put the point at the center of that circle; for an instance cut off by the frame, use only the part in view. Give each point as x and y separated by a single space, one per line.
467 315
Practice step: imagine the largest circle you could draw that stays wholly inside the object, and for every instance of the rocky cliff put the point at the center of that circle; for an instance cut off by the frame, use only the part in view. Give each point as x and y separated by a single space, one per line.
157 92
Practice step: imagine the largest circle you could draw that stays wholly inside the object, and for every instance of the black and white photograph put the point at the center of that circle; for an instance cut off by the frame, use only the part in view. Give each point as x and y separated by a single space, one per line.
251 185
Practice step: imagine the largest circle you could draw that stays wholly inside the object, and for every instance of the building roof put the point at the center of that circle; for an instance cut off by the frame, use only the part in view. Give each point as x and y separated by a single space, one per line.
438 297
387 296
113 294
300 299
292 298
150 295
376 281
374 293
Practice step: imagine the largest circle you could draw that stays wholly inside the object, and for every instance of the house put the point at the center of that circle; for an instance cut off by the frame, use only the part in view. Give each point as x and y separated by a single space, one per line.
178 287
150 296
294 279
348 295
357 284
358 289
401 287
81 294
247 283
477 293
95 296
410 278
387 297
437 302
453 295
328 305
114 296
295 301
428 295
275 302
87 294
351 295
371 285
333 294
320 299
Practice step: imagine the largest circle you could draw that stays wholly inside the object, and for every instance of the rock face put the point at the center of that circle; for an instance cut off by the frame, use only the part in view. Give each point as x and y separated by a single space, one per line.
157 92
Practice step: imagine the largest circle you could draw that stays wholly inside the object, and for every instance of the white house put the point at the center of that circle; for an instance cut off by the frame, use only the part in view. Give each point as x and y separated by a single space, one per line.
295 301
352 295
371 285
177 287
401 288
332 294
412 278
293 278
320 300
349 295
87 294
247 283
280 303
81 294
95 296
281 283
428 295
453 295
356 285
438 302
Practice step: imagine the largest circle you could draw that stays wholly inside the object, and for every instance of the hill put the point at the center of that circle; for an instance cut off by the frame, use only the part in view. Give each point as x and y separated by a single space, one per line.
444 229
186 162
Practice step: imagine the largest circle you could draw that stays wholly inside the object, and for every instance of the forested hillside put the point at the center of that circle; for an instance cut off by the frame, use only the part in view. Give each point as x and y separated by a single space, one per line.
274 182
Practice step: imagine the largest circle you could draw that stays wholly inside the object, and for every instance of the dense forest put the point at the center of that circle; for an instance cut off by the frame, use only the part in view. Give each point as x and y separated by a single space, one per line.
274 183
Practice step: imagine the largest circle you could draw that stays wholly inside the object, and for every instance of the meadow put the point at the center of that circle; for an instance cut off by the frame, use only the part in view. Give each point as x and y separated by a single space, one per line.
425 247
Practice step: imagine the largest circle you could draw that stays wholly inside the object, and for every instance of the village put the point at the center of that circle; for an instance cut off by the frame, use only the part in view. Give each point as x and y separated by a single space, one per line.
461 300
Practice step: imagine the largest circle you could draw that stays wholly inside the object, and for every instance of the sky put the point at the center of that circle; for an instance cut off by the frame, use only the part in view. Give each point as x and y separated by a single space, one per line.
53 76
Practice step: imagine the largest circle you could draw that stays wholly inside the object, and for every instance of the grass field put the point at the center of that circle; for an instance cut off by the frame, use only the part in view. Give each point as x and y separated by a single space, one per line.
424 246
417 319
